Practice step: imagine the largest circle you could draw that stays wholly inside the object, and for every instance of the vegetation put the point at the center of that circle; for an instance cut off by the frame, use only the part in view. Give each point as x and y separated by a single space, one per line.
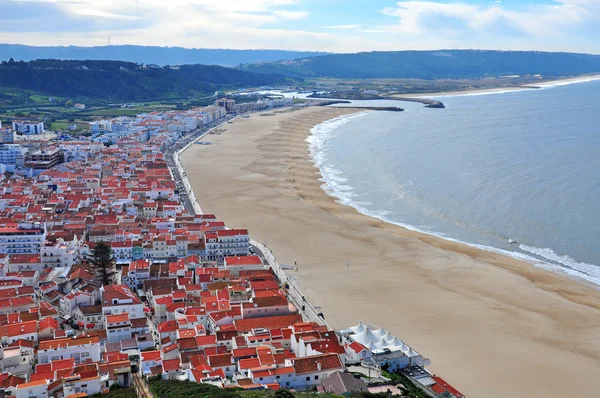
103 263
118 393
125 81
186 389
399 378
446 64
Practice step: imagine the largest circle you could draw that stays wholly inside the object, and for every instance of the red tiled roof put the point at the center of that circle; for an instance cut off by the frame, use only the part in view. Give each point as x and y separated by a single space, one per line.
220 360
441 387
242 260
171 365
316 363
151 355
118 318
274 322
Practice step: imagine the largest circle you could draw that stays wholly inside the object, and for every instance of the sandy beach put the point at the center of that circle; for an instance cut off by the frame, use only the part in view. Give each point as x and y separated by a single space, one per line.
531 86
493 326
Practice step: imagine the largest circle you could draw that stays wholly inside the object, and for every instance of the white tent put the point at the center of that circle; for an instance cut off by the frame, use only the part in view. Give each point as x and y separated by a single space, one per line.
358 328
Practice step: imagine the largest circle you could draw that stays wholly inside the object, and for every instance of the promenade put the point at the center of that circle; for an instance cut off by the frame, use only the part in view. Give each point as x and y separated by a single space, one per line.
295 294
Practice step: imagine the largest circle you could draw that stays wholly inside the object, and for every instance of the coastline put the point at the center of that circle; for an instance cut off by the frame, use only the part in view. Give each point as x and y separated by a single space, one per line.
501 90
442 291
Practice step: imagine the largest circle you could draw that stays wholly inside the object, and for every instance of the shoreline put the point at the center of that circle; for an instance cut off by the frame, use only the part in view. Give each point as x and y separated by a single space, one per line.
281 192
328 176
502 90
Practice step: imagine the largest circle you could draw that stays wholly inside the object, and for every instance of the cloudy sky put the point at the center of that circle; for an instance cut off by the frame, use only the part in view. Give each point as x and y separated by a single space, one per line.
323 25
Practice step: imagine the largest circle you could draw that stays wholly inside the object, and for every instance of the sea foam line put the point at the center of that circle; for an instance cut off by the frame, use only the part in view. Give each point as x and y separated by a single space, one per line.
335 185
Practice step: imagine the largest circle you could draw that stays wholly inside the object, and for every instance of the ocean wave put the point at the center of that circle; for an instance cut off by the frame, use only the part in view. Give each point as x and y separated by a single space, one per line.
567 264
336 185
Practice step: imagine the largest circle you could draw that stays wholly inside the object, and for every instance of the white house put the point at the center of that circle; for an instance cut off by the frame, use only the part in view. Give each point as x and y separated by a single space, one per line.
312 370
118 327
119 299
82 349
149 360
123 251
38 389
73 300
82 385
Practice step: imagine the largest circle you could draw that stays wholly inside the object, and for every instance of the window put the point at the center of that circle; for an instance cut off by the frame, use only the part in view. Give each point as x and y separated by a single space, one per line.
307 378
317 377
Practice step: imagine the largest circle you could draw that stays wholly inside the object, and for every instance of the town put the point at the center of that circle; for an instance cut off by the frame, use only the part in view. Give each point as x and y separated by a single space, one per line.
111 274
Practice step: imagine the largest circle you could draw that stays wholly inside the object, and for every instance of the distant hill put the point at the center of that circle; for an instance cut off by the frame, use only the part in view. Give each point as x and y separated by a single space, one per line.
442 64
126 80
149 54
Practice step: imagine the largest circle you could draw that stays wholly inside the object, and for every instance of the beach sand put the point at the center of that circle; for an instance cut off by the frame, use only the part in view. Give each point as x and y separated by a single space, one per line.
530 86
493 326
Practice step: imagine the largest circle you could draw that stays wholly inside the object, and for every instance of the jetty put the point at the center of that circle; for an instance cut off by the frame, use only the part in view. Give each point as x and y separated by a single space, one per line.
347 97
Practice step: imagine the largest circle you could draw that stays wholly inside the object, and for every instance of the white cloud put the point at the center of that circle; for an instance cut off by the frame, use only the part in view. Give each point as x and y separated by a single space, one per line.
102 14
341 27
494 25
286 14
570 25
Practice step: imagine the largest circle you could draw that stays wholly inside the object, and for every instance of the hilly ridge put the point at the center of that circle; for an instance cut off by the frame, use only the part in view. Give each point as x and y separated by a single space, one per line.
125 80
442 64
149 54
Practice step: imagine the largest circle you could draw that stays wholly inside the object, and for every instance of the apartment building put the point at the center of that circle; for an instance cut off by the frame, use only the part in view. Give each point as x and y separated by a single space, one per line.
23 238
28 127
45 159
12 156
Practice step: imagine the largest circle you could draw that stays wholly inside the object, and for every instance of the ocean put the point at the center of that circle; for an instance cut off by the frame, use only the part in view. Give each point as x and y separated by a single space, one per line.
515 172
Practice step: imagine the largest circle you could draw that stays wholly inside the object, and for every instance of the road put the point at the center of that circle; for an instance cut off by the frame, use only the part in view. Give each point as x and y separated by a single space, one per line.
295 294
185 194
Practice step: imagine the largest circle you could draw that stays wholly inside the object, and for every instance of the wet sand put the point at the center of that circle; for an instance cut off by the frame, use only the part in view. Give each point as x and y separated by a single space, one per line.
493 326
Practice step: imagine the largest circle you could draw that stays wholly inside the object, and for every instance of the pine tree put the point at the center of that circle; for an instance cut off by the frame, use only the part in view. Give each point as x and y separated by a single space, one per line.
103 263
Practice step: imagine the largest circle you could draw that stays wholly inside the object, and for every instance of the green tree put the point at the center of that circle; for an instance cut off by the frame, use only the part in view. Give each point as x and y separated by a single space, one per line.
69 104
283 394
103 262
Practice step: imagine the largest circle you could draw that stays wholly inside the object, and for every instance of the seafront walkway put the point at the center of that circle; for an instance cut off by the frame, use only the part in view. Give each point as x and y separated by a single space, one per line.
295 295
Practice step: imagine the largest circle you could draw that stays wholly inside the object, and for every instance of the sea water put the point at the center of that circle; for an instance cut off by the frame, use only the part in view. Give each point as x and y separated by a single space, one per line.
516 172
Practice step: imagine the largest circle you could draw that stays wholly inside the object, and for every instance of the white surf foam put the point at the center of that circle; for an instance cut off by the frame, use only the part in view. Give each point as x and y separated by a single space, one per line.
336 185
539 86
567 264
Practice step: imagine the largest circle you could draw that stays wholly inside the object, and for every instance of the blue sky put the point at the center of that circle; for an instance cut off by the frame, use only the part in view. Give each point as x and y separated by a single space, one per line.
323 25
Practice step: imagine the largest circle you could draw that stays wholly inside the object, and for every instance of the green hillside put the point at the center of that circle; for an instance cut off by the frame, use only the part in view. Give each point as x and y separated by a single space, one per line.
125 81
442 64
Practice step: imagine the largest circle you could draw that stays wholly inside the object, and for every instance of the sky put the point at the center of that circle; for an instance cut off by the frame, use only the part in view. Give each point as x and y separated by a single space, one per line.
315 25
